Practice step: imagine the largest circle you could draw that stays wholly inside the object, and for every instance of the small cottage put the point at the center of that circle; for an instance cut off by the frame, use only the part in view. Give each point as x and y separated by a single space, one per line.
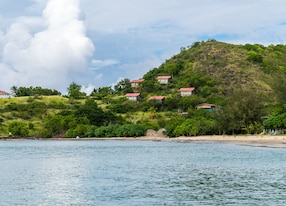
157 98
4 94
187 91
164 79
136 83
206 106
133 96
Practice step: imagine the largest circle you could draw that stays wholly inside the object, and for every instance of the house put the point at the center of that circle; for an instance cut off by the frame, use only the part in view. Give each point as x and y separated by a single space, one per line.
133 96
206 106
164 79
4 94
157 98
186 91
136 83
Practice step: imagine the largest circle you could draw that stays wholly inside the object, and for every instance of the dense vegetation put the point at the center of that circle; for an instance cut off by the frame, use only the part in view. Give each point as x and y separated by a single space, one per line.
247 83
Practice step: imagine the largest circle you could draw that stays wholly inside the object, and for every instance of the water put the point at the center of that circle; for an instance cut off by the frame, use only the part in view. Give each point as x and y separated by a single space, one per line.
140 173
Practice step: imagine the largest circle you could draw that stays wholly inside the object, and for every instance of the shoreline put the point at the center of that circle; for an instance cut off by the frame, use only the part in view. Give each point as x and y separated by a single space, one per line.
221 138
269 141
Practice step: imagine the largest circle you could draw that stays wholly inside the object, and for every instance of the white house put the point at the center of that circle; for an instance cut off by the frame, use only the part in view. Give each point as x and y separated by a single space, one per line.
4 94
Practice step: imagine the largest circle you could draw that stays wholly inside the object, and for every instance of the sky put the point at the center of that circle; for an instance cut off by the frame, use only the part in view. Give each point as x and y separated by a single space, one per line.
96 43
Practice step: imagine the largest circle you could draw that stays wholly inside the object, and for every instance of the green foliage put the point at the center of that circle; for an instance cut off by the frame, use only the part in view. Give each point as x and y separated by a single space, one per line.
123 87
127 130
105 131
74 91
248 81
94 114
172 125
33 91
254 57
18 129
189 102
243 110
102 92
152 125
277 119
55 125
27 111
79 131
195 126
278 84
254 128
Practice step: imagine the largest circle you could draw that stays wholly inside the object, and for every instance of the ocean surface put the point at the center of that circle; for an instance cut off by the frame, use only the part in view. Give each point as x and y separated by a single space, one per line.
115 172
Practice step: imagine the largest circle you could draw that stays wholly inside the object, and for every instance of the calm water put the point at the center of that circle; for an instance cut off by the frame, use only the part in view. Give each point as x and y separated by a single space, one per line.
140 173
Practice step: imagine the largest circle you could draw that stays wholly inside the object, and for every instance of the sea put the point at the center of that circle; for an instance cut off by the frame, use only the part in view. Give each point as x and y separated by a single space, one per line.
127 172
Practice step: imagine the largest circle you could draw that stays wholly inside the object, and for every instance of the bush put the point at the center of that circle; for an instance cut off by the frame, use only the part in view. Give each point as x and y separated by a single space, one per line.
127 130
79 131
130 130
105 131
18 129
150 125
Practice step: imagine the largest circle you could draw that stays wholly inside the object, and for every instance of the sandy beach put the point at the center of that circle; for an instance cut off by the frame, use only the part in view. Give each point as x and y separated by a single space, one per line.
247 140
250 140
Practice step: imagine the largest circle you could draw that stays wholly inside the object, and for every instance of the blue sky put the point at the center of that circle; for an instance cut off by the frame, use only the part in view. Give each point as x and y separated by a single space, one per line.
51 43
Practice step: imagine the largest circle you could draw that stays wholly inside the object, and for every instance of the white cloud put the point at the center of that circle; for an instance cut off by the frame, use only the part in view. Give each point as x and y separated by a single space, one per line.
48 45
51 56
87 89
104 63
184 17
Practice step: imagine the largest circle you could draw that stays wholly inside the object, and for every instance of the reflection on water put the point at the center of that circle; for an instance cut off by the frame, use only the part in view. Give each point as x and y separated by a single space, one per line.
140 173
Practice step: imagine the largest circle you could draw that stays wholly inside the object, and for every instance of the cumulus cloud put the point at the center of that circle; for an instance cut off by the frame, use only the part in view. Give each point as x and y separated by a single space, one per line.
46 50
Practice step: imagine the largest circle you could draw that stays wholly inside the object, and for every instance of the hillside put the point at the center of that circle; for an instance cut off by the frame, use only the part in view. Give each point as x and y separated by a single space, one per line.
221 68
243 86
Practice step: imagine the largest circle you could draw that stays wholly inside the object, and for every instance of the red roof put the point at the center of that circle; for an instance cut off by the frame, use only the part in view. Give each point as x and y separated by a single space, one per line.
157 98
164 77
132 94
137 80
187 89
3 93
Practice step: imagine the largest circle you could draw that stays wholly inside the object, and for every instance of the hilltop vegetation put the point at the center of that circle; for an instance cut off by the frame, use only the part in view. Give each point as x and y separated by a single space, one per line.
246 83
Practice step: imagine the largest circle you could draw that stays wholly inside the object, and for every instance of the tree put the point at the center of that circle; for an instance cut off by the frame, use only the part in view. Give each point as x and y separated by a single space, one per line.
14 90
102 93
123 86
278 84
243 109
94 114
74 91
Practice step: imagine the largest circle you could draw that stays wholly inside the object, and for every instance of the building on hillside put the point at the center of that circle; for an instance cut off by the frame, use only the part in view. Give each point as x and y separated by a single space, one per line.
133 96
157 98
186 91
136 83
207 107
4 94
164 79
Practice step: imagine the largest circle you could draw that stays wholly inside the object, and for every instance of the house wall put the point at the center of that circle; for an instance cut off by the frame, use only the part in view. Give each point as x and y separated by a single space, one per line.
135 84
163 81
133 98
186 93
5 95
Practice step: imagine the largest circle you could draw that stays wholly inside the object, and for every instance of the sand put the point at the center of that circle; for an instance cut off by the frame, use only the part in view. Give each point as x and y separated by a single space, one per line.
250 140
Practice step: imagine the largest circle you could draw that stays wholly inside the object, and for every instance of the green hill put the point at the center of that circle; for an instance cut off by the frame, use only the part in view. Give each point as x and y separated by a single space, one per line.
218 69
243 85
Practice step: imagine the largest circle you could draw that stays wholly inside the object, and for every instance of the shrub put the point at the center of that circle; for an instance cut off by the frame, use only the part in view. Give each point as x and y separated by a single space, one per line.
104 131
18 129
127 130
79 131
